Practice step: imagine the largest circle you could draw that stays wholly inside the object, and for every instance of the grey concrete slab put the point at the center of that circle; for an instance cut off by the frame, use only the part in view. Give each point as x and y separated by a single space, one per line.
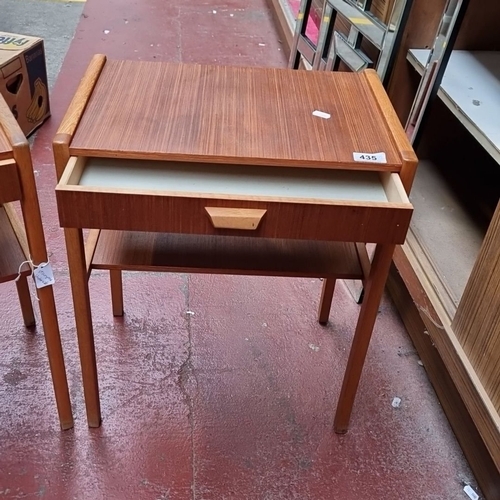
54 21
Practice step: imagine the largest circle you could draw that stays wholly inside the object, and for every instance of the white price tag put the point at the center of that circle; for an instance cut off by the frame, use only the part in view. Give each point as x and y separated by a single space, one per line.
43 275
370 157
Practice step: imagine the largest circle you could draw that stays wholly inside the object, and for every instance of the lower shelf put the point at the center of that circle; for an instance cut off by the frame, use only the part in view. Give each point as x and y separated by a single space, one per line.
142 251
12 254
444 233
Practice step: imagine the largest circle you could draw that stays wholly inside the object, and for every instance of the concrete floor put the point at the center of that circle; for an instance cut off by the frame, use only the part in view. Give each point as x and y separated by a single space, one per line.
212 387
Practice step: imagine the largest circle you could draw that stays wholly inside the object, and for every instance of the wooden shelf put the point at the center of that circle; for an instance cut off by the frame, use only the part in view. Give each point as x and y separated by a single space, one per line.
12 254
225 255
446 234
471 90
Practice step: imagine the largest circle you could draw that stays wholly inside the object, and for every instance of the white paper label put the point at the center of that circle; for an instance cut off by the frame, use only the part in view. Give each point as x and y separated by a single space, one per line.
43 275
321 114
470 492
370 157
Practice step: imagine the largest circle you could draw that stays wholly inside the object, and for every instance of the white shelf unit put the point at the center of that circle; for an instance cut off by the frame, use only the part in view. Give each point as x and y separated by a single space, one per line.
471 90
442 226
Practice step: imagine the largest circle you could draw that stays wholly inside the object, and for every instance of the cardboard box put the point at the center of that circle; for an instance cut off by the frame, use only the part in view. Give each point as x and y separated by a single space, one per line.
23 79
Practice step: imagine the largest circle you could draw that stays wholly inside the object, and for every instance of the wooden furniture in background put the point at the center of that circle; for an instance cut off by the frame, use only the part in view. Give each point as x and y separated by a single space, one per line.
352 35
466 176
23 240
382 9
234 143
453 243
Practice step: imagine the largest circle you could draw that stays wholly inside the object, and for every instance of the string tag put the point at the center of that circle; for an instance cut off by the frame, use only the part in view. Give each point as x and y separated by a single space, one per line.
43 275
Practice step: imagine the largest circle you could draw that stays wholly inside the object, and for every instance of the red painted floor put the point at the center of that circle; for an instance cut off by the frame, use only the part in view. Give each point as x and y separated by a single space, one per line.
212 387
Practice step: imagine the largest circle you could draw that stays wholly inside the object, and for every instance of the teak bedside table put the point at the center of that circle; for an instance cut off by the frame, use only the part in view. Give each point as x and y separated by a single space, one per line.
227 170
21 239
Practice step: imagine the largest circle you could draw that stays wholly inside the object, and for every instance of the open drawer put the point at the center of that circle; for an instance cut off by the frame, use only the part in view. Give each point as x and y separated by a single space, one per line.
10 188
202 198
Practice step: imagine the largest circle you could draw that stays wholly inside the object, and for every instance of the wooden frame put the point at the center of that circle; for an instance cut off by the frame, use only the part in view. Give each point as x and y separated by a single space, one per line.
23 240
111 245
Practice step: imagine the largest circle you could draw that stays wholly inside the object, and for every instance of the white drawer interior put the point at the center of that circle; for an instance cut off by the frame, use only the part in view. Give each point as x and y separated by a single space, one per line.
233 179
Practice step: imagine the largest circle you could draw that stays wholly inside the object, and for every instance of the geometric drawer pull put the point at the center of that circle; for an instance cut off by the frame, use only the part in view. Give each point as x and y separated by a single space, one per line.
235 218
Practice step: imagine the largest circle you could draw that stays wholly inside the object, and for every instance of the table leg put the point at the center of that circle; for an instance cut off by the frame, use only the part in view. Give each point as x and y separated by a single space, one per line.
33 242
115 277
325 302
55 355
23 293
81 302
374 289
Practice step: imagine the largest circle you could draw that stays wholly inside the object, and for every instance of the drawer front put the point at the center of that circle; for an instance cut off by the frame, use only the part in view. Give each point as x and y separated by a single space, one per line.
10 188
342 221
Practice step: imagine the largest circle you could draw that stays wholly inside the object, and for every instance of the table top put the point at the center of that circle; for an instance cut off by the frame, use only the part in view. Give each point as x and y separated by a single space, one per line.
5 147
188 112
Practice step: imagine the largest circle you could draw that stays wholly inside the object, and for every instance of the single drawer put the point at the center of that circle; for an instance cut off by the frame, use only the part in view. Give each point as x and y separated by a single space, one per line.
10 188
203 198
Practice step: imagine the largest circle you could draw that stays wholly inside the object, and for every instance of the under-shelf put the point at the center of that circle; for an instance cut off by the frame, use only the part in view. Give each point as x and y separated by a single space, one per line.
471 90
146 251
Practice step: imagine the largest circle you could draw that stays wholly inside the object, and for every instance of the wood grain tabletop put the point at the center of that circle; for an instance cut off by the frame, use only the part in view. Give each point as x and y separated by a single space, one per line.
226 114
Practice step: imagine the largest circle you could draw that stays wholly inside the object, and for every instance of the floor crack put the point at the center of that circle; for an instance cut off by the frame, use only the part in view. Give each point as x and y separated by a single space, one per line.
186 379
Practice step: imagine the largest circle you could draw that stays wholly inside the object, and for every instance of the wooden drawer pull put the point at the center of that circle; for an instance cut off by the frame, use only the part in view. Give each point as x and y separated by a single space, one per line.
235 218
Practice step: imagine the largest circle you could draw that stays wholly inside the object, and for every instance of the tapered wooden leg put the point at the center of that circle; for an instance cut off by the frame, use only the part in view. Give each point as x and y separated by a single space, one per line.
55 355
373 293
23 292
115 277
81 302
325 303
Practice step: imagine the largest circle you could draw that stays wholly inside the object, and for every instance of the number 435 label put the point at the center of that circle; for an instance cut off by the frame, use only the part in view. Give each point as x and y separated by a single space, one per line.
370 157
